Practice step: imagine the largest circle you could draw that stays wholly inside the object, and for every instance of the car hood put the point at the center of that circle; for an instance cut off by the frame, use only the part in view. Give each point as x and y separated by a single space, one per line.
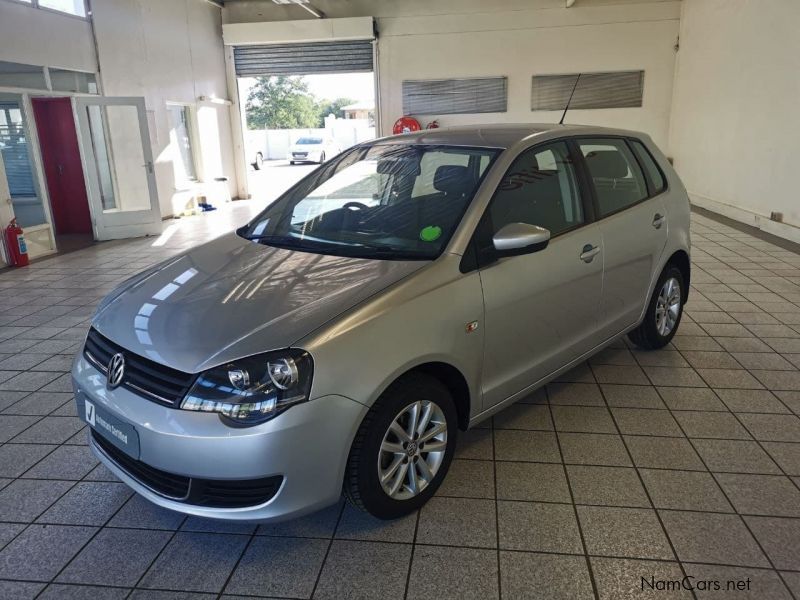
232 298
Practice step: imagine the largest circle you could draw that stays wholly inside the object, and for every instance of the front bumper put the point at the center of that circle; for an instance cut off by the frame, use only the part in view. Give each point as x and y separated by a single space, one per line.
307 445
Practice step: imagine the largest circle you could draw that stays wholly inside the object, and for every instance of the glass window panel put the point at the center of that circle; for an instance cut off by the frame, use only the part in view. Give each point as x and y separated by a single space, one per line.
181 140
73 7
22 76
18 164
618 181
63 80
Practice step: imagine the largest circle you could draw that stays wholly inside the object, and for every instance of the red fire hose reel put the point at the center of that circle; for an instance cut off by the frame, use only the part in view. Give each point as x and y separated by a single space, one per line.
17 250
406 125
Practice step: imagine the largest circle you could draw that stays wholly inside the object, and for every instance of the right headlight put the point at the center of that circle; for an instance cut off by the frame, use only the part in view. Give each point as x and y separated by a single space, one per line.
254 389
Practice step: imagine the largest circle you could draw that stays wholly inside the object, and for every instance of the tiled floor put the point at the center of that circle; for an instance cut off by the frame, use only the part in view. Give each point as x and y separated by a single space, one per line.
638 465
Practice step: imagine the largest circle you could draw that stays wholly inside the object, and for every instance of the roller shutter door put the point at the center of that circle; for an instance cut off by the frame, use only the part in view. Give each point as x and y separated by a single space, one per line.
303 58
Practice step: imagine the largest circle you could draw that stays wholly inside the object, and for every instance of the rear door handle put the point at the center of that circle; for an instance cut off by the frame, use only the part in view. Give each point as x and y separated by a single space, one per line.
589 252
658 220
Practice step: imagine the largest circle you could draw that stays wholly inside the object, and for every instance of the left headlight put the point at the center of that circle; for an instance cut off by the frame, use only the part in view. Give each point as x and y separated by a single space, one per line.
254 389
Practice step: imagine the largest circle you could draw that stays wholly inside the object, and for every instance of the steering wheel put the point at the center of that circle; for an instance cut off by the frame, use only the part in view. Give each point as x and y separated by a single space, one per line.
356 205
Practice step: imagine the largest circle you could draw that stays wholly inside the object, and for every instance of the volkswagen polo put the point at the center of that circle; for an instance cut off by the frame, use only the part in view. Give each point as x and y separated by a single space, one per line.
404 291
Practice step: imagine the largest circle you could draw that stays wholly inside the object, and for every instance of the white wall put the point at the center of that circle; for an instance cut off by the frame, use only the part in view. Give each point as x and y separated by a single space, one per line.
429 39
40 37
735 132
169 52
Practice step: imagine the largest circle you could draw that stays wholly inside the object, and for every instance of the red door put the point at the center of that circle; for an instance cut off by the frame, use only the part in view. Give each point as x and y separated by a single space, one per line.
61 158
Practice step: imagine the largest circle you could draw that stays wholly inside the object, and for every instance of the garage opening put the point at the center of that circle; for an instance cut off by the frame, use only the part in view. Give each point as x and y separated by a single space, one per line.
302 104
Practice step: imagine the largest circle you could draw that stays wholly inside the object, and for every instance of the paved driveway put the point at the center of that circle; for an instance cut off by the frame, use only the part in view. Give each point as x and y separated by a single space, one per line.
635 469
275 177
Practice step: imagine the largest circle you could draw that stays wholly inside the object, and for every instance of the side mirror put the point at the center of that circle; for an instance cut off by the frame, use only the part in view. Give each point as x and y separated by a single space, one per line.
520 238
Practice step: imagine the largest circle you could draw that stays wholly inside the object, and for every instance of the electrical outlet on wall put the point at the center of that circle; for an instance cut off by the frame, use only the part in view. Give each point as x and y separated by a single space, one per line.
776 216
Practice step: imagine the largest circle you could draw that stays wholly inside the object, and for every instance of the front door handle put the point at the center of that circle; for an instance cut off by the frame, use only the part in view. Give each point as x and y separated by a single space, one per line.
589 252
658 220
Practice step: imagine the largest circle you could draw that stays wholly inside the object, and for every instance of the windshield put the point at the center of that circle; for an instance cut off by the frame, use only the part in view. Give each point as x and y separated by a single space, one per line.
389 201
309 141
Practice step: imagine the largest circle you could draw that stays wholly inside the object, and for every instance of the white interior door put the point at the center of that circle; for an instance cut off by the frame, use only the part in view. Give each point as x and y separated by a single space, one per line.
118 167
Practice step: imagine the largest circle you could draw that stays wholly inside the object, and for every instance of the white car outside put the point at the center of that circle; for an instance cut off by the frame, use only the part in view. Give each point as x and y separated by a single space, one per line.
313 149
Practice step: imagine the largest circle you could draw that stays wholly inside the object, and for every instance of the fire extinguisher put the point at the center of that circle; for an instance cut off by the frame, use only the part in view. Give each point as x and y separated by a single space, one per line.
406 125
15 242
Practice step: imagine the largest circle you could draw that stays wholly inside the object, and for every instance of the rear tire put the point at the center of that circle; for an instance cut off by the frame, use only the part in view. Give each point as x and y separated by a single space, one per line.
259 162
664 311
371 483
322 158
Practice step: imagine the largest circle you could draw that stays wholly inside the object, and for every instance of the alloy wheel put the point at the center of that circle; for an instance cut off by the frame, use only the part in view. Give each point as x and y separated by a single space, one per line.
668 306
412 450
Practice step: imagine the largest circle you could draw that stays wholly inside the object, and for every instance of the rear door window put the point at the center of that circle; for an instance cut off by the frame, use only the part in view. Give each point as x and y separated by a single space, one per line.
657 183
616 176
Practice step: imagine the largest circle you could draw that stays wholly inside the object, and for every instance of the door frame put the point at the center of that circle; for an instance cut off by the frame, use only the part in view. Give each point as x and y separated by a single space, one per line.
116 223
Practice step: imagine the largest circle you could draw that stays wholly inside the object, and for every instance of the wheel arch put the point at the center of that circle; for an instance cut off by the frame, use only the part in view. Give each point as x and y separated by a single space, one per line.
453 380
680 258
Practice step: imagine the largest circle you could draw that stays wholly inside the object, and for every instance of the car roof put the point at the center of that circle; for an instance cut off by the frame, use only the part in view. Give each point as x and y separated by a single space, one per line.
501 135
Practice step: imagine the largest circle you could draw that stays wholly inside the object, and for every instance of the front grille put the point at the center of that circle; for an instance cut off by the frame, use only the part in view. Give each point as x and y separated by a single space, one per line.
143 376
212 493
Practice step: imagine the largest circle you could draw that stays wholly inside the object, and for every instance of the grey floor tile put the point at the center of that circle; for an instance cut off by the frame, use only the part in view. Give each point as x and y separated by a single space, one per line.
8 531
738 583
41 551
583 419
758 401
12 425
138 512
593 449
65 462
457 573
531 481
792 580
199 562
773 495
711 360
61 591
279 567
663 453
28 381
622 579
672 376
623 532
458 522
779 380
704 424
632 375
9 398
632 396
529 576
712 538
15 459
524 416
25 499
88 503
537 527
787 455
204 525
469 479
51 430
117 557
645 421
684 398
577 394
772 428
511 444
20 590
39 403
364 570
684 490
735 456
780 538
475 444
355 524
763 360
320 524
662 358
609 486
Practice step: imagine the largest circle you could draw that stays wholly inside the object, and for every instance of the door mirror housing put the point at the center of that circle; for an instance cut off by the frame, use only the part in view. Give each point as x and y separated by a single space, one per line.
520 238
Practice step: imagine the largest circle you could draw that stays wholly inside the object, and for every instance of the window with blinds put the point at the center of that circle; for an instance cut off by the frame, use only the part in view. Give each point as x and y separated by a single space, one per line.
620 89
455 96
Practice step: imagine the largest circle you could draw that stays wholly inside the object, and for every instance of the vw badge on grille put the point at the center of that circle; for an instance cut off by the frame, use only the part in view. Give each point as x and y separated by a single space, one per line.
116 370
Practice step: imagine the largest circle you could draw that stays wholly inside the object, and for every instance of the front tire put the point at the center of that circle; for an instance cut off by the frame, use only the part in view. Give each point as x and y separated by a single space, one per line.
259 162
664 311
403 448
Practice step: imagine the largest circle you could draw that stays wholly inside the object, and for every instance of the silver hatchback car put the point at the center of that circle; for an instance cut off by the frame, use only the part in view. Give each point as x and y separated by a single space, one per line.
408 289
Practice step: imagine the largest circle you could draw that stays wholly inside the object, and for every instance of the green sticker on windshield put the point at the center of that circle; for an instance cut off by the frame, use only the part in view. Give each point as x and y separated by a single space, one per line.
431 233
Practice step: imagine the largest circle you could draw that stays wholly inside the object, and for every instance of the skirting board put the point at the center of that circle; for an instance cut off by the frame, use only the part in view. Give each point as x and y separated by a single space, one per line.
783 230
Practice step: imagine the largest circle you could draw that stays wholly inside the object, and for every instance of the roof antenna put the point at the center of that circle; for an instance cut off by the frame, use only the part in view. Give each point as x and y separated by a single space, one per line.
566 108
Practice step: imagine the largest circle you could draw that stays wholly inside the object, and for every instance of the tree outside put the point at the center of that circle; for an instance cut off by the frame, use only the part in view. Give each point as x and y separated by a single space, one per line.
284 102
